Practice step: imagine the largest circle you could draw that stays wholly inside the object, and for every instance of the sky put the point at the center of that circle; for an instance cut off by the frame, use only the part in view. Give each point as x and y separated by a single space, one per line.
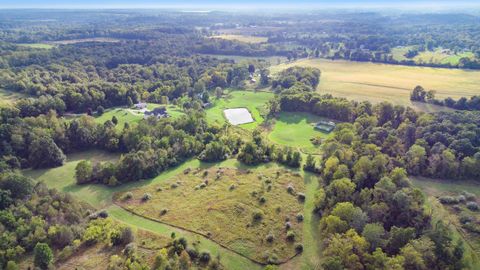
233 4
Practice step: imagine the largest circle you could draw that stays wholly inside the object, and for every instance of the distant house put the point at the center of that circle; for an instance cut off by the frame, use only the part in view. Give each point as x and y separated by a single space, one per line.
325 126
140 106
160 112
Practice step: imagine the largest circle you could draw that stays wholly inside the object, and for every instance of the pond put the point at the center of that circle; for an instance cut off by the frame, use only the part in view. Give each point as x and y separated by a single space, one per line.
238 116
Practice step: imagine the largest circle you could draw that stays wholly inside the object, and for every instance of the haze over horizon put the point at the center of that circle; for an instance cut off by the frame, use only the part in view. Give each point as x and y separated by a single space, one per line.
247 4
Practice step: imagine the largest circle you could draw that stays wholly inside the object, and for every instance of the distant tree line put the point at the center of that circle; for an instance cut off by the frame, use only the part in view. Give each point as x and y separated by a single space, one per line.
419 94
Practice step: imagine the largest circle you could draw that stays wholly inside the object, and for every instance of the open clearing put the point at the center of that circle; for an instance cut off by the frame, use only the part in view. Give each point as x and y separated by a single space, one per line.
99 196
208 201
435 188
439 56
8 97
296 130
36 45
253 101
238 116
243 38
130 116
381 82
81 40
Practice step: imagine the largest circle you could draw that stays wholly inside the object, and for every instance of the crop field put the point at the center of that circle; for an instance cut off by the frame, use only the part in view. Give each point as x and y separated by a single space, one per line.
130 116
296 130
451 214
253 101
243 38
254 206
381 82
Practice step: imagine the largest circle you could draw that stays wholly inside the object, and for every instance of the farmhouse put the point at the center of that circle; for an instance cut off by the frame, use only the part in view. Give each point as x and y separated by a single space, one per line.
325 126
160 112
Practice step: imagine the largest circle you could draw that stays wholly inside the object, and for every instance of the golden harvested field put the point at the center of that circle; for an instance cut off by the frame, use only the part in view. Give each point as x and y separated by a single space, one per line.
243 38
381 82
246 211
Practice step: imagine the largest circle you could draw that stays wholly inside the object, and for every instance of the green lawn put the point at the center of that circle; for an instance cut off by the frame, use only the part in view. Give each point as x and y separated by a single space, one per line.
130 116
253 101
296 130
36 45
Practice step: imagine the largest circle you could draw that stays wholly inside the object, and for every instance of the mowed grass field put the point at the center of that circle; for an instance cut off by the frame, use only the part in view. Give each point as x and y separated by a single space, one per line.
296 130
381 82
125 115
209 201
37 45
438 56
243 38
253 101
434 188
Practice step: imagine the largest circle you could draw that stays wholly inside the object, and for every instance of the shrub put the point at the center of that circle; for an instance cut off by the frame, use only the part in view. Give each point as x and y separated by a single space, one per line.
290 189
472 206
163 212
448 200
269 238
102 214
257 215
173 186
465 219
204 256
146 197
469 196
461 198
130 250
299 248
43 255
127 196
262 200
232 187
202 185
288 225
290 236
299 217
193 253
301 197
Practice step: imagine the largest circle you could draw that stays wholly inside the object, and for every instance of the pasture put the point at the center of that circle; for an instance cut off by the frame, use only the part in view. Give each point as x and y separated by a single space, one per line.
254 101
381 82
452 214
243 38
438 56
37 45
296 130
100 196
254 206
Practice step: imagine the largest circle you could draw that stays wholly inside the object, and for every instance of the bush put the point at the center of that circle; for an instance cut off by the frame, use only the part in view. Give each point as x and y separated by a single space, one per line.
301 197
461 198
262 200
269 238
202 185
127 196
466 219
288 225
43 256
472 206
193 253
299 217
448 200
232 187
290 236
469 196
299 248
257 215
173 186
146 197
204 257
163 212
290 189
